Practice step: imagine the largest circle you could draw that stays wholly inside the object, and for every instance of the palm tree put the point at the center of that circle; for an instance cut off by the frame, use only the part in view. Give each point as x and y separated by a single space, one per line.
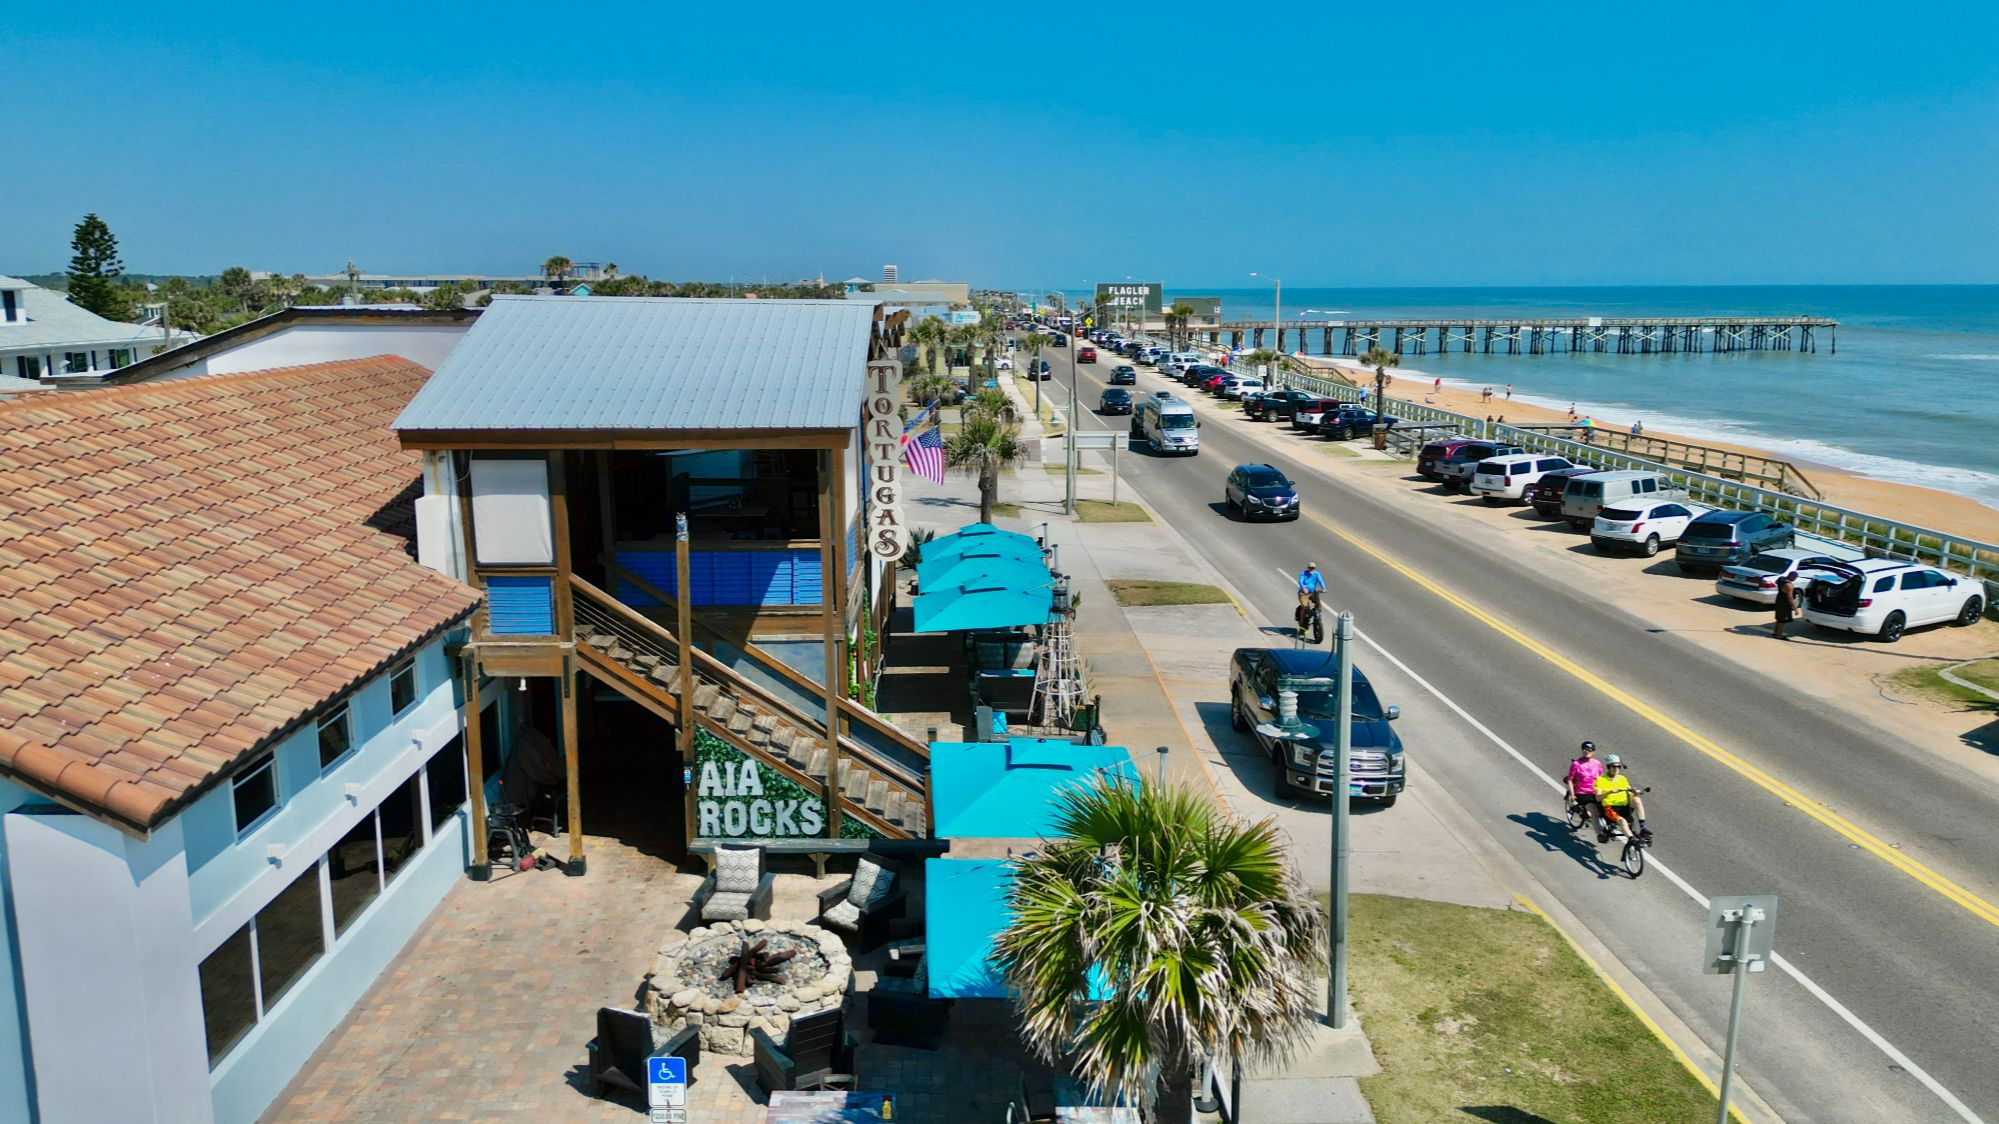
1380 358
1191 924
932 386
1034 342
1176 320
993 402
985 445
611 271
1264 357
928 333
556 268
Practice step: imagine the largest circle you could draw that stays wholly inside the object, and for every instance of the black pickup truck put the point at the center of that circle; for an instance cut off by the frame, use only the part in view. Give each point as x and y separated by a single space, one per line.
1305 763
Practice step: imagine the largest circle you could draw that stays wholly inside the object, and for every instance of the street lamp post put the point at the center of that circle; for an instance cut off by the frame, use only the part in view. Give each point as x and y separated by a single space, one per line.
1336 983
1277 316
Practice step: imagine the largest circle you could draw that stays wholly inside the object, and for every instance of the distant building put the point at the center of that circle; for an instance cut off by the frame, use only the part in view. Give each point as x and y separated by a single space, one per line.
888 275
43 335
921 298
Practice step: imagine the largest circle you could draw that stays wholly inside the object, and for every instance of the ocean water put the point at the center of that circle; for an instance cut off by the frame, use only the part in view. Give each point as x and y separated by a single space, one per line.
1912 394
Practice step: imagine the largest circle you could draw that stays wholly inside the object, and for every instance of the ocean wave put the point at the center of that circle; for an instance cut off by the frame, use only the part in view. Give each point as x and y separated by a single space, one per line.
1974 357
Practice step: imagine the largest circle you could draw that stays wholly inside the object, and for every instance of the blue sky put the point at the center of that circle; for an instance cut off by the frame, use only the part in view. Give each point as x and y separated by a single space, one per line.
1328 144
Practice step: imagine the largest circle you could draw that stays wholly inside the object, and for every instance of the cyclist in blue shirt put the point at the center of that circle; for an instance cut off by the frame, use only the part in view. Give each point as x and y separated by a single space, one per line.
1309 579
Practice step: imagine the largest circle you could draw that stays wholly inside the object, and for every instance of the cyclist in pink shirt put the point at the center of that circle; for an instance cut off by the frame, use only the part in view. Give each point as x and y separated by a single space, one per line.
1581 784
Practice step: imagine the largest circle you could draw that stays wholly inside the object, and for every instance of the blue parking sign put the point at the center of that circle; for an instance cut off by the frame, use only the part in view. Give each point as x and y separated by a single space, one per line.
666 1082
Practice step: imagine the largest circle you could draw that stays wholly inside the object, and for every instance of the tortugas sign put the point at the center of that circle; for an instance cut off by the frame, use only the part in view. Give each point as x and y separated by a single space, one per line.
881 415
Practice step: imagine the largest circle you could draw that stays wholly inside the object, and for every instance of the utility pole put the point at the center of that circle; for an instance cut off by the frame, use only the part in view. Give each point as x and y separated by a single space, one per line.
1336 986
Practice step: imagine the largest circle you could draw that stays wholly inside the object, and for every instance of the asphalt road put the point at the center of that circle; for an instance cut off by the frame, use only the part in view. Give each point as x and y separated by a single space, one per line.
1501 670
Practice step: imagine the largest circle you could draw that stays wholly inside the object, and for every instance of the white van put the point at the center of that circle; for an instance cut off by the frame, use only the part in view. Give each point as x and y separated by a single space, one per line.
1585 496
1506 478
1168 424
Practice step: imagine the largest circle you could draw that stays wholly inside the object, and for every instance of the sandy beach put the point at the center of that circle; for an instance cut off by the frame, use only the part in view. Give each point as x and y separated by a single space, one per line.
1908 503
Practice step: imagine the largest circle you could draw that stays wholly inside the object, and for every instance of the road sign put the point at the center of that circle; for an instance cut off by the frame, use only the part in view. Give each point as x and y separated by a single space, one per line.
1741 929
666 1083
1101 440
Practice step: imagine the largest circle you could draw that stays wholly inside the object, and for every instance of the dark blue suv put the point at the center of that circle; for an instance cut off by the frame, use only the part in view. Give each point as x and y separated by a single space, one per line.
1260 491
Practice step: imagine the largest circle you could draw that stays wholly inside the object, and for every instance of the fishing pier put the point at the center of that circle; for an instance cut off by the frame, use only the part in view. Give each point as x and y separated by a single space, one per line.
1649 335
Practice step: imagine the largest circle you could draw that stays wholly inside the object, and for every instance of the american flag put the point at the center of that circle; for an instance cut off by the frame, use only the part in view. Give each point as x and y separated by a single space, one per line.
924 453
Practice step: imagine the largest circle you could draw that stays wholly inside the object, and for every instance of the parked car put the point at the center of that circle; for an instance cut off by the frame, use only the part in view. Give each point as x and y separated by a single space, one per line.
1116 400
1585 496
1644 527
1455 471
1235 387
1002 363
1305 416
1756 579
1306 764
1507 478
1255 490
1723 538
1058 340
1546 493
1208 378
1436 452
1347 421
1882 597
1274 405
1149 356
1086 355
1124 374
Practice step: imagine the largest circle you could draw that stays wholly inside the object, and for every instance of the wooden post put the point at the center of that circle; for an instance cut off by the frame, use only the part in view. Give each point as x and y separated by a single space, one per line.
558 497
837 538
571 760
475 767
683 601
832 623
607 515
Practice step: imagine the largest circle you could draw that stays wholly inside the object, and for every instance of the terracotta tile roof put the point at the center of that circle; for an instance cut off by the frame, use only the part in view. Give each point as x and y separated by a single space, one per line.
189 568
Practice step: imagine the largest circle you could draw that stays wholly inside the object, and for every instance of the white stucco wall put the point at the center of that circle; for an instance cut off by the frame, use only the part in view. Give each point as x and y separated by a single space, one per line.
299 344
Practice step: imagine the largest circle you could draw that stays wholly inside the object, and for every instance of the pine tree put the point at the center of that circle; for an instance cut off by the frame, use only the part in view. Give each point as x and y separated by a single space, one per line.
94 270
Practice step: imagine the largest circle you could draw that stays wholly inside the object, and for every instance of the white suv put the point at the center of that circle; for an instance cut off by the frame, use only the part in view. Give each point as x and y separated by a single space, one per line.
1643 526
1506 478
1882 597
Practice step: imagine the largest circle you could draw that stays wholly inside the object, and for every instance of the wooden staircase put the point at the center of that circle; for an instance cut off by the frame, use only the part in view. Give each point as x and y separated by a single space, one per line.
883 783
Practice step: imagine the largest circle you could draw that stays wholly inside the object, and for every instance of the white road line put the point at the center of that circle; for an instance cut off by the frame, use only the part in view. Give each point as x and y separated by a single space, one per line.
1835 1006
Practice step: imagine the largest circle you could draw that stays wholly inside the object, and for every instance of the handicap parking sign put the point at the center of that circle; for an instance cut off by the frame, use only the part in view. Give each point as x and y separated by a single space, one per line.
666 1082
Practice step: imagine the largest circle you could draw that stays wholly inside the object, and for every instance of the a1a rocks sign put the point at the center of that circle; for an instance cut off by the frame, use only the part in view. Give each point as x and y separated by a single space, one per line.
881 415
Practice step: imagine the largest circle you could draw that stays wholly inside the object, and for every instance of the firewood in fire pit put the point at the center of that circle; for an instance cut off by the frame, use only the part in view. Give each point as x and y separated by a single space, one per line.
751 964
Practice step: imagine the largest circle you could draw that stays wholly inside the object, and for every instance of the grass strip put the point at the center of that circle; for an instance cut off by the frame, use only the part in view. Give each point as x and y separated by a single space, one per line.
1489 1014
1100 511
1136 591
1926 681
1057 470
1010 510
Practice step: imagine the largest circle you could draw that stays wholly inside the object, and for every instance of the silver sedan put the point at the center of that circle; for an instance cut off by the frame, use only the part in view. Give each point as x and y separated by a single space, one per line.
1756 579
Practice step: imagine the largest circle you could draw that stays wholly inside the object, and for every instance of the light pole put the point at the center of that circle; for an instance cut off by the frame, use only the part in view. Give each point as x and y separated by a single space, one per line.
1336 984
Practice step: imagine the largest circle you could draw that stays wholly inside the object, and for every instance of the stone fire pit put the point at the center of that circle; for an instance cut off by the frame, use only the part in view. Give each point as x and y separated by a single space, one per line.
686 987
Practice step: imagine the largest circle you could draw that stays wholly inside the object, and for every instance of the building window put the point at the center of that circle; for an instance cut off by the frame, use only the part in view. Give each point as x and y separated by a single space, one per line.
356 873
336 736
255 791
402 687
291 934
30 366
228 998
76 362
445 774
120 357
402 827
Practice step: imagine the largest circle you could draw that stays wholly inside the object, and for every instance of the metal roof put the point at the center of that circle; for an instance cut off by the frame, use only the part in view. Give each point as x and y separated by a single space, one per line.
651 363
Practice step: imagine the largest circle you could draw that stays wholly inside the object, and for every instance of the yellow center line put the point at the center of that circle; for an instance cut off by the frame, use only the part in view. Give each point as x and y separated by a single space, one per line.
1950 890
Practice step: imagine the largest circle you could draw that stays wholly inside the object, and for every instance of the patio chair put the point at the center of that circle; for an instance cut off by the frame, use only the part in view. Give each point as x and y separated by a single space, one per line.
1031 1104
864 906
817 1052
907 1018
624 1041
739 887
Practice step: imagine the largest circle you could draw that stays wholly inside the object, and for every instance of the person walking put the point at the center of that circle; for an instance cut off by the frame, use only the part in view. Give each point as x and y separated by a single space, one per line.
1787 605
1438 385
1509 392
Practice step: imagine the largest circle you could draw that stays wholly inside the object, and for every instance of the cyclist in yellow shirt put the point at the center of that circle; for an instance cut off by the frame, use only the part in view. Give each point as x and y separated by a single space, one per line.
1614 791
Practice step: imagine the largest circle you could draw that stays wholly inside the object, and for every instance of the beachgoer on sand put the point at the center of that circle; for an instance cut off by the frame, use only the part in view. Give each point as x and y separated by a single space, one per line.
1637 429
1509 392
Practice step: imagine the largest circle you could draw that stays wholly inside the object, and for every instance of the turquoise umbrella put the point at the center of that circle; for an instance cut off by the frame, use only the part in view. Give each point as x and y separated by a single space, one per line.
975 535
975 570
964 908
1008 790
1011 549
982 606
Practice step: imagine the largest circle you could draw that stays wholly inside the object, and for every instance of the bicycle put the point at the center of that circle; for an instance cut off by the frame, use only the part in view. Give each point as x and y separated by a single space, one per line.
1632 856
1310 618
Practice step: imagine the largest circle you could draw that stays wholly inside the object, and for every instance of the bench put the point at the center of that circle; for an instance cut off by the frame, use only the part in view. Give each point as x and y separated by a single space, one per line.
819 848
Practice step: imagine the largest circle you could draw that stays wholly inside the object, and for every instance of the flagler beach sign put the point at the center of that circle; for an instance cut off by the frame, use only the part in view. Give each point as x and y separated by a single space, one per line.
882 440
